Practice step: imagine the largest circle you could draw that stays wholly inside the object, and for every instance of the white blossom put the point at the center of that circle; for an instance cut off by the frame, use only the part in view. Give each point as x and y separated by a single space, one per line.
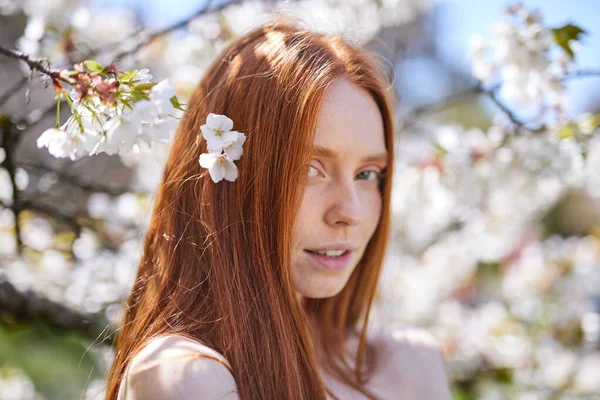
74 139
235 149
160 96
219 166
142 76
519 55
217 132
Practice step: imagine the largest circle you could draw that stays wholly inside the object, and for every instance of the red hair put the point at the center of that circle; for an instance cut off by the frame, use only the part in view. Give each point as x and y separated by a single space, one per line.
216 265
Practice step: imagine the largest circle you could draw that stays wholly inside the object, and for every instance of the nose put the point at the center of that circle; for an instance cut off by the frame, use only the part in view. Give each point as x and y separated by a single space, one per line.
345 208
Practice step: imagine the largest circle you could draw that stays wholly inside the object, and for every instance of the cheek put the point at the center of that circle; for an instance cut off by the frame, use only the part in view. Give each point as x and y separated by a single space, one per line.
304 219
372 203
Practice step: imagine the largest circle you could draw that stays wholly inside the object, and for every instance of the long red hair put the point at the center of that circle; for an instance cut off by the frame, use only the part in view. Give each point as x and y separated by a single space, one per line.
216 265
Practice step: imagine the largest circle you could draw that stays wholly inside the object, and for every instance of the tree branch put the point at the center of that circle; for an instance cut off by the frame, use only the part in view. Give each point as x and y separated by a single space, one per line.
460 96
37 115
76 181
447 101
492 93
8 143
207 7
35 64
75 221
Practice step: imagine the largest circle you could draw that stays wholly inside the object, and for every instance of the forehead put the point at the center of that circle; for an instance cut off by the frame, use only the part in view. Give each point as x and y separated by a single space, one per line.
349 121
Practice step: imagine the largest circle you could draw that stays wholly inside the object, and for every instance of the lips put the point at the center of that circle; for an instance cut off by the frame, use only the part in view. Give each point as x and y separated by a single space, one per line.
316 252
331 263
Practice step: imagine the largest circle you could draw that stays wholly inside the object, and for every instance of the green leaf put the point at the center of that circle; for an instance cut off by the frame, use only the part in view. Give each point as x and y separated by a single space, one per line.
127 76
566 33
176 104
138 95
459 393
145 86
93 66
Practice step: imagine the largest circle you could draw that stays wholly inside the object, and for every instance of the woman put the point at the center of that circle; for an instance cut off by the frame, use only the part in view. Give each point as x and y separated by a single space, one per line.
231 299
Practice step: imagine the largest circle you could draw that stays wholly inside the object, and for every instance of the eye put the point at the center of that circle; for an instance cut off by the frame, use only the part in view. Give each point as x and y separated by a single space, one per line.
375 174
310 168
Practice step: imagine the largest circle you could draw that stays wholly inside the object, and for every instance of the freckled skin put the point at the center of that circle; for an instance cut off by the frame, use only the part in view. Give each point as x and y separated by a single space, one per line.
341 202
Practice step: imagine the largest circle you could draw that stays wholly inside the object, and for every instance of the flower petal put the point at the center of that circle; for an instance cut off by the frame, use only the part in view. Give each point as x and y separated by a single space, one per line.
207 160
234 152
214 145
48 136
218 121
229 136
208 132
212 121
216 150
231 171
217 172
241 139
226 123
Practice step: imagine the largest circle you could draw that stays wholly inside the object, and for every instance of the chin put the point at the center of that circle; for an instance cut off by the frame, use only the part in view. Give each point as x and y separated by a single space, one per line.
322 293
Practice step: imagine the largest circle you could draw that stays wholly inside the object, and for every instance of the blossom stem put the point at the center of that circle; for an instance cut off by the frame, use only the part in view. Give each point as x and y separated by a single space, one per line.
58 111
94 113
75 112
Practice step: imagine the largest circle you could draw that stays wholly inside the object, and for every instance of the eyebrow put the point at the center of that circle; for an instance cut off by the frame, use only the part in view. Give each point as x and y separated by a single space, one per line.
328 153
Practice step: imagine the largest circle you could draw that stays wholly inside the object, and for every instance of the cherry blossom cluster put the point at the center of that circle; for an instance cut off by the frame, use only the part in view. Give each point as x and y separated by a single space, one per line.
520 57
224 146
113 112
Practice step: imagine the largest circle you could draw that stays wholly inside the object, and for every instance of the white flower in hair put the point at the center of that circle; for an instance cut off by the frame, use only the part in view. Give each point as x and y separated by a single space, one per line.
219 166
234 150
217 131
224 146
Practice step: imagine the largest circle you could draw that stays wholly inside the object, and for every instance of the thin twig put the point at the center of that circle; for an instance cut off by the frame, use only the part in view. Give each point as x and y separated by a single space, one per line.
35 64
493 95
586 72
448 101
207 7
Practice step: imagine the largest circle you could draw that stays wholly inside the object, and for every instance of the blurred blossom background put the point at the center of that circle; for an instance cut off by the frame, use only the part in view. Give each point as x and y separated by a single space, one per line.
496 242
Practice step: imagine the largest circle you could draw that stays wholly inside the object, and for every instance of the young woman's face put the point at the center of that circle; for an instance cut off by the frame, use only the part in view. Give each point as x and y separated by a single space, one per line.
342 202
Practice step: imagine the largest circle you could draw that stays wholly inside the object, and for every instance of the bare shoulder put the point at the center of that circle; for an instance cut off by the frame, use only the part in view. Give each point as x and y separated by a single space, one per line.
174 366
413 363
